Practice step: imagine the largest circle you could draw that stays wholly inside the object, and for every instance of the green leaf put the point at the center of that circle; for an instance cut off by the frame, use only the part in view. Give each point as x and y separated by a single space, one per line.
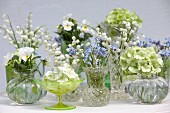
63 47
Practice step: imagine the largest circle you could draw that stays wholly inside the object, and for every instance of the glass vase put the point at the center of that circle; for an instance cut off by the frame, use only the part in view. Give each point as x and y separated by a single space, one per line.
117 83
95 94
59 89
149 90
23 89
11 73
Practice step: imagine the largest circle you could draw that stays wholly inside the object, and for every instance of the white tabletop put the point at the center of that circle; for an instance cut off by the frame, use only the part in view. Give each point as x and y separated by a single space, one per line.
6 106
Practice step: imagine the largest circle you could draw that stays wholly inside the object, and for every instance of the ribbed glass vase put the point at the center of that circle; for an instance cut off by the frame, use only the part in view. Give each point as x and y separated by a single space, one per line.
23 89
149 90
95 94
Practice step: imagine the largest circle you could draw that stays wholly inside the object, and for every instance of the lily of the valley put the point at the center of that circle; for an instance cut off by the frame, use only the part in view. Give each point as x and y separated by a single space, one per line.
25 52
67 25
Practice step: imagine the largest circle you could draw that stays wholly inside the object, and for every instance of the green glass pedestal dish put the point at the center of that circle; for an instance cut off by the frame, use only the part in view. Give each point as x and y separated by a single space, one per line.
59 88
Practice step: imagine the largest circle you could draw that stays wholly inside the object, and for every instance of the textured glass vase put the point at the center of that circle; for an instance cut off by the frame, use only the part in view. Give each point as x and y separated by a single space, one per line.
12 74
150 90
73 96
117 83
23 89
59 89
95 94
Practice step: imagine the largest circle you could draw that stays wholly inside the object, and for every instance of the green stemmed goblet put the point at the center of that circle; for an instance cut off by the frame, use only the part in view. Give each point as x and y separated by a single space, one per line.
59 88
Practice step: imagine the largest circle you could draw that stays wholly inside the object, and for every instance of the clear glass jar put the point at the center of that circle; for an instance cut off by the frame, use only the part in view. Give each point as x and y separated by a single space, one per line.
149 90
95 94
23 89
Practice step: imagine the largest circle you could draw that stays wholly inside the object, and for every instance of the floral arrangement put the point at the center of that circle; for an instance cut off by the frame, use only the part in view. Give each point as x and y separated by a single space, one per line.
23 60
72 28
78 51
62 73
121 20
162 48
23 36
144 61
26 40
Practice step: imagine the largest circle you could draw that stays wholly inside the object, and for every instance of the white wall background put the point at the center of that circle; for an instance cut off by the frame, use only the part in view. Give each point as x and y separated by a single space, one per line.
154 13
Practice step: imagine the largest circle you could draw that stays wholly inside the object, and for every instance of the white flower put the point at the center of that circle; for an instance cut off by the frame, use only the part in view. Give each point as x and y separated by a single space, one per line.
62 73
25 53
85 25
74 38
7 58
143 36
67 25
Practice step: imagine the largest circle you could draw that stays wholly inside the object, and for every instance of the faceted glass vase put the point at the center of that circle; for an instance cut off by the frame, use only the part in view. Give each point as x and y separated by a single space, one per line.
23 89
150 90
95 94
73 96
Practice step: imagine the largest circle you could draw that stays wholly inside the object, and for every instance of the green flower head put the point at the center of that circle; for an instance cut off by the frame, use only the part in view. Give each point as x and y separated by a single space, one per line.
118 15
144 61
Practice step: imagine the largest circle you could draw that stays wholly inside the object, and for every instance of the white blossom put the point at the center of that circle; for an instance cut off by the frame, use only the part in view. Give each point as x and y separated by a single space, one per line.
25 52
67 25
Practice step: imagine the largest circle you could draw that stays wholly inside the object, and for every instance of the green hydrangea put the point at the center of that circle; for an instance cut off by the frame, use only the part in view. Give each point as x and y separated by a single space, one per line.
118 15
144 61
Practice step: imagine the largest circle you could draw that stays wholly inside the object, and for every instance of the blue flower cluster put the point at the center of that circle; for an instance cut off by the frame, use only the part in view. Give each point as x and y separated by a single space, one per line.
96 50
147 42
165 53
72 51
167 43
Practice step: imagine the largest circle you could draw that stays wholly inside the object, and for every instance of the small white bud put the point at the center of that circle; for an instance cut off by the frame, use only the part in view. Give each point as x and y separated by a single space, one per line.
77 41
118 50
88 44
124 22
78 47
134 43
74 38
137 38
57 53
68 49
125 44
118 38
117 42
143 36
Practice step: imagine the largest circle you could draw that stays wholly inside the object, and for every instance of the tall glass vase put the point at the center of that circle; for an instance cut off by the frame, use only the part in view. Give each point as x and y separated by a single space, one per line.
117 84
23 89
95 94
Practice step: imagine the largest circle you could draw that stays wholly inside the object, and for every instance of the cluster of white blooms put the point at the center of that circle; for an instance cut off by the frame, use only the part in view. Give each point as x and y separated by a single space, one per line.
62 73
23 37
74 50
127 37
